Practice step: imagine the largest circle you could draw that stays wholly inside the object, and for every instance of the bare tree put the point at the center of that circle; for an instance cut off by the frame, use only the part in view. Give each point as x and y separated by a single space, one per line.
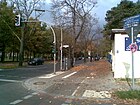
90 33
73 14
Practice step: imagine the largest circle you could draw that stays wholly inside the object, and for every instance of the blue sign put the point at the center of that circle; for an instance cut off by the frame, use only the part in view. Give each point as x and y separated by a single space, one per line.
131 21
128 43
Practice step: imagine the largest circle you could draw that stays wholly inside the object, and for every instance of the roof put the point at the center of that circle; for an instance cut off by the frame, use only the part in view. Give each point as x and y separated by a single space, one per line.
117 31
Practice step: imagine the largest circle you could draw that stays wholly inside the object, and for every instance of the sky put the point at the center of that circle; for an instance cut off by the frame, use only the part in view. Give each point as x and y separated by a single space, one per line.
101 8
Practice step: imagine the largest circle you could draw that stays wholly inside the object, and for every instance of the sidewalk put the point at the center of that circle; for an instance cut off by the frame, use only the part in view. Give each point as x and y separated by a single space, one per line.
99 78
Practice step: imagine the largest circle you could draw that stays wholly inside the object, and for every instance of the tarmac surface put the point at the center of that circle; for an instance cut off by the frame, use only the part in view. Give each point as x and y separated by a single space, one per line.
92 80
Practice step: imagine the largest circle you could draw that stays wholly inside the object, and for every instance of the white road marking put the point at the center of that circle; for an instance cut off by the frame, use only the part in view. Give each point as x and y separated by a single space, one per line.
75 91
51 75
27 97
95 94
69 75
5 80
16 102
24 98
77 88
34 93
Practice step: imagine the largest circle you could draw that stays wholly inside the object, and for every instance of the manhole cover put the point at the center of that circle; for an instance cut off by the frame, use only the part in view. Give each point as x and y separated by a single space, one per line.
40 83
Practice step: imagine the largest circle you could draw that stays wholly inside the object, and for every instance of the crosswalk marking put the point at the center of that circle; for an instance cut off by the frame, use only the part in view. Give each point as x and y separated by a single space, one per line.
28 96
5 80
51 75
69 75
16 102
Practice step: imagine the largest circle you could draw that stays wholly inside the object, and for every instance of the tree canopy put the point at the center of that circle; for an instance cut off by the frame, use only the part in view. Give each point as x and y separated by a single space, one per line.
115 16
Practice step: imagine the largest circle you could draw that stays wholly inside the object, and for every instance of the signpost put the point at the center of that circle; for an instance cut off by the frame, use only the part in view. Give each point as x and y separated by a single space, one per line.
132 27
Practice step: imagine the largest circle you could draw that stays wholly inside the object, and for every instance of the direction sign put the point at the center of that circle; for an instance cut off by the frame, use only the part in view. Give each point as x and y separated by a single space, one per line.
134 22
131 21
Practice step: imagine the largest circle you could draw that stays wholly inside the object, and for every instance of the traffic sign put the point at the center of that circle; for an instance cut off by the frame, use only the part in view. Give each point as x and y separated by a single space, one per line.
131 21
134 22
133 47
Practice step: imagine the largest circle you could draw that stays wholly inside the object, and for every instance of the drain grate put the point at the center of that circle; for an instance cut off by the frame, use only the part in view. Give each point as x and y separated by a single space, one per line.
39 83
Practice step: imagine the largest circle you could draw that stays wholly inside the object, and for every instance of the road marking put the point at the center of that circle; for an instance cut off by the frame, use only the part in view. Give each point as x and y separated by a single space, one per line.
5 80
16 102
27 97
24 98
69 75
34 93
95 94
75 91
77 88
51 75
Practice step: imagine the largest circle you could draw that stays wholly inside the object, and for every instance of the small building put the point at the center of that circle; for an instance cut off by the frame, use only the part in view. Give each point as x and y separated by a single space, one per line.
122 56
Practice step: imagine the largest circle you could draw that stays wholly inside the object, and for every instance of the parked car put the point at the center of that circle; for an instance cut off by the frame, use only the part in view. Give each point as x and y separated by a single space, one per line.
97 58
36 61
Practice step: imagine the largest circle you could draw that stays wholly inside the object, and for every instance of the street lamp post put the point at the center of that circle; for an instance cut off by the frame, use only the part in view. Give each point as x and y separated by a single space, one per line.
54 40
61 49
54 49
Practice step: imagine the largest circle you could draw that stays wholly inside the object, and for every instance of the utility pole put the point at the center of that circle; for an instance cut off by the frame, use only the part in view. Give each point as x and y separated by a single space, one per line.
61 49
54 39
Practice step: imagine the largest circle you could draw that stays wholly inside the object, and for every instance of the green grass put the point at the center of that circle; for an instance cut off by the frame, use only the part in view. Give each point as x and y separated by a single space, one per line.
132 94
10 65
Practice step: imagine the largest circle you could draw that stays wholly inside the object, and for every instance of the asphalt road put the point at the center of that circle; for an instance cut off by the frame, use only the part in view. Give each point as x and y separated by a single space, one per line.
65 89
11 82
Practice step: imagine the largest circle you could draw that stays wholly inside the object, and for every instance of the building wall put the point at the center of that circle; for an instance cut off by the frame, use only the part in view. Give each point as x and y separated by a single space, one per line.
122 59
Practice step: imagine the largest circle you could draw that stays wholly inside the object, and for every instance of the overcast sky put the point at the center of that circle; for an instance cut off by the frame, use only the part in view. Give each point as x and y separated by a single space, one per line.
102 7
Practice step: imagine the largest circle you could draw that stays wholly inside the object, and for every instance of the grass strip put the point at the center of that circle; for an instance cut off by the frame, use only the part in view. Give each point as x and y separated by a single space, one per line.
131 94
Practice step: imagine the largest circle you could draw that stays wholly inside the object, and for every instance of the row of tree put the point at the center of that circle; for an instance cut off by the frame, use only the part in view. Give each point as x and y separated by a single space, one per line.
34 36
79 27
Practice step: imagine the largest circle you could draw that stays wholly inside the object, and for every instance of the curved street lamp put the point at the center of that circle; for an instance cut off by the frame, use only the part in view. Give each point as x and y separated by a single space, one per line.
54 49
54 38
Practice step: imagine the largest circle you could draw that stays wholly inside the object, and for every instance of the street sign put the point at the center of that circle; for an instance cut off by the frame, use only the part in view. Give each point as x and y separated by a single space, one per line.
131 21
128 43
133 47
134 22
65 46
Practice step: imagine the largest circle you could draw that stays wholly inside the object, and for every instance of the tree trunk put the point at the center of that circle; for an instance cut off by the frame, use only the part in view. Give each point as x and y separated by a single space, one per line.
21 47
3 53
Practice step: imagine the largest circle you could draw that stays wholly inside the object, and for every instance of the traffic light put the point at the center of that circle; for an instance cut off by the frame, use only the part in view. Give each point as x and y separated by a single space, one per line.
17 20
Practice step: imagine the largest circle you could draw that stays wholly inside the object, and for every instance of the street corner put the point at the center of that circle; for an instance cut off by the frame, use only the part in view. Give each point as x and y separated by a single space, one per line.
40 83
35 84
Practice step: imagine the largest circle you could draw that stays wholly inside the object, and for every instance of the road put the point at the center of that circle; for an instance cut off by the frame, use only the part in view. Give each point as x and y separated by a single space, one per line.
11 81
34 85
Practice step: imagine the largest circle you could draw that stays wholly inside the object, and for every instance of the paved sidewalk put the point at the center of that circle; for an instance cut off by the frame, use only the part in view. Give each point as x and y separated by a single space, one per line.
99 82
